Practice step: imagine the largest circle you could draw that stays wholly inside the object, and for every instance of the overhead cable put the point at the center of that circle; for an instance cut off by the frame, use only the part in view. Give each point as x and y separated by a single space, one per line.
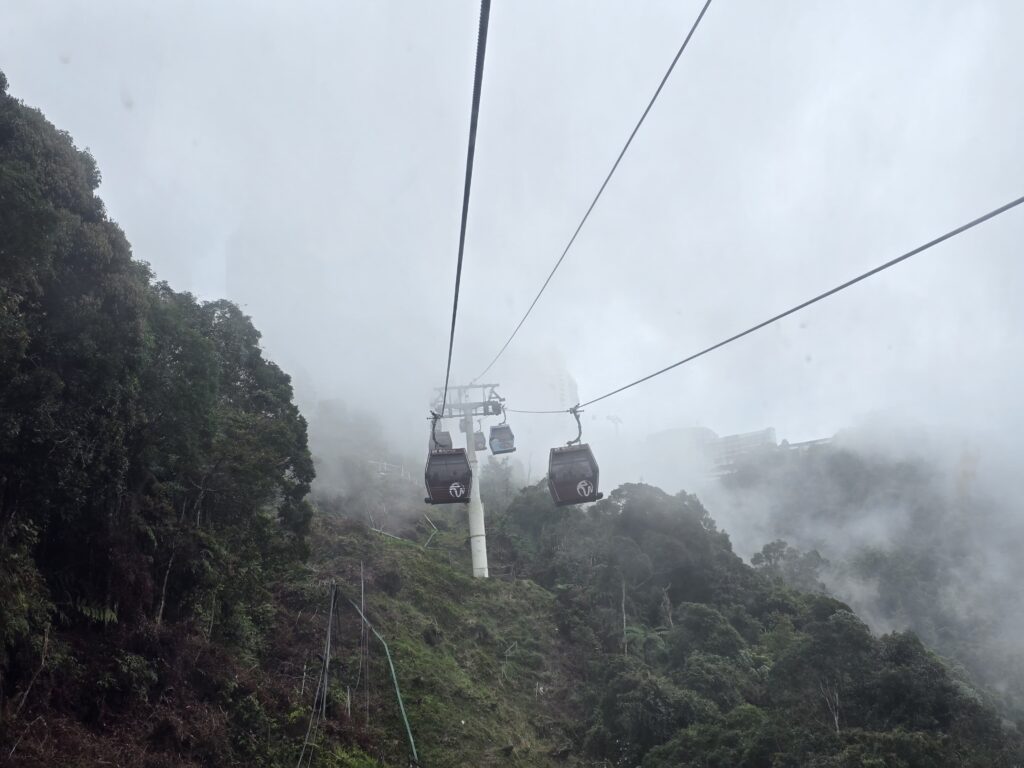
881 267
481 46
560 410
597 197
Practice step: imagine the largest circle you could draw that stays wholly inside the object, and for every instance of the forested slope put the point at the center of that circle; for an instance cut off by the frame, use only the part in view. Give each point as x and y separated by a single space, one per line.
153 469
913 541
166 584
698 660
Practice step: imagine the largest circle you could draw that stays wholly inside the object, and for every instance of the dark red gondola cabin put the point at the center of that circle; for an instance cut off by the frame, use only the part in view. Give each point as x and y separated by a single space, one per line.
573 475
448 476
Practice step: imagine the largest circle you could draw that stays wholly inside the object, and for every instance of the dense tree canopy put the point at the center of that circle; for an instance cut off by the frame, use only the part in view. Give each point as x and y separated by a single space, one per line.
152 464
912 542
693 658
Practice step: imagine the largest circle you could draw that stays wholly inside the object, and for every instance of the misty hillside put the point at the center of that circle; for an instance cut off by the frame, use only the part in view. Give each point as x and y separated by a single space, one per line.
174 595
913 541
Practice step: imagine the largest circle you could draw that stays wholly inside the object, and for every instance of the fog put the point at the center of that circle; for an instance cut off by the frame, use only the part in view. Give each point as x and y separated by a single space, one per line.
306 161
922 529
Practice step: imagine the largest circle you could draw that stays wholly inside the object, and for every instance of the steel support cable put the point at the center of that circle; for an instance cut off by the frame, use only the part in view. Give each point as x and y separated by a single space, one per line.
880 268
481 46
560 410
394 679
600 191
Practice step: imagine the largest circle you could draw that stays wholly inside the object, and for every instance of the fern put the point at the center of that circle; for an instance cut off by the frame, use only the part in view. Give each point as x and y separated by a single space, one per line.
99 614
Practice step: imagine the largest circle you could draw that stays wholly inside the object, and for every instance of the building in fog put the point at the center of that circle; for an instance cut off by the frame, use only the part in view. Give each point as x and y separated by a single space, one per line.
563 389
727 451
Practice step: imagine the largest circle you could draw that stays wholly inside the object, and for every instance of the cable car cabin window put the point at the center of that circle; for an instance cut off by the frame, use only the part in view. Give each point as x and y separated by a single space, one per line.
576 470
573 475
502 439
448 476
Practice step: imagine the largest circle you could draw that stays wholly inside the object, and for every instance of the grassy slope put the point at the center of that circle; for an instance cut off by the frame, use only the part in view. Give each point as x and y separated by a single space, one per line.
478 660
468 701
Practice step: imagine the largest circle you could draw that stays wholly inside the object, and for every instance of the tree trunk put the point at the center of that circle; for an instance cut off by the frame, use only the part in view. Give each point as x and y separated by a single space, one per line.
625 644
163 590
830 693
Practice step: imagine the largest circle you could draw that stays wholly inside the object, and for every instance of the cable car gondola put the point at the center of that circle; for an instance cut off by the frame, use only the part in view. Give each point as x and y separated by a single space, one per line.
448 476
439 440
573 472
573 475
502 440
479 441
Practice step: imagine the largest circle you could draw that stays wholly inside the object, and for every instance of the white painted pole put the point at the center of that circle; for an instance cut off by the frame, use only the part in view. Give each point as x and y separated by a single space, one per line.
477 537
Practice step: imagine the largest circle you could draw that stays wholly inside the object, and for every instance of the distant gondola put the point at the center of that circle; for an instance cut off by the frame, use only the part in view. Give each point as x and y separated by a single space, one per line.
448 476
479 441
573 475
502 440
441 440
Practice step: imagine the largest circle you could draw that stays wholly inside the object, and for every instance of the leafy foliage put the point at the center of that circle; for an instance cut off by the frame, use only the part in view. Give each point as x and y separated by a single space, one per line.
153 468
701 660
915 543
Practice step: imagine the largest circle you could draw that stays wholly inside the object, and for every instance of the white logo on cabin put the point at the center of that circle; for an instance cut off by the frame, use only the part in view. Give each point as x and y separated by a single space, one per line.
584 488
456 490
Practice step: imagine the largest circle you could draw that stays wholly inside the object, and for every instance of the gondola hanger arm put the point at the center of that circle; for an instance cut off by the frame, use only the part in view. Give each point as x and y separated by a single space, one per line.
576 411
434 418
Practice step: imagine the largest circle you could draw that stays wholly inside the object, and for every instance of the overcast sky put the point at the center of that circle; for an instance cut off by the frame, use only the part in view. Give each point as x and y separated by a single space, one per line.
306 160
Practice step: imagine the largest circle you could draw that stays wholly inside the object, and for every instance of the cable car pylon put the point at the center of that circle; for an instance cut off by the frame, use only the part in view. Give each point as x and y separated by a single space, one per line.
451 473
